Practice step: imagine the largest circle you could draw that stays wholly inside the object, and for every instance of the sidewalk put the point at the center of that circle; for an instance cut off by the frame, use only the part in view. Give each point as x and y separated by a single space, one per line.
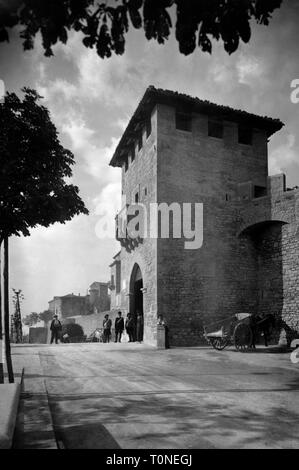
9 405
34 427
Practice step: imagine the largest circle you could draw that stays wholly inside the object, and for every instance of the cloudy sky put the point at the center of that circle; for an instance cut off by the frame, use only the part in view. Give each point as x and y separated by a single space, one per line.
91 101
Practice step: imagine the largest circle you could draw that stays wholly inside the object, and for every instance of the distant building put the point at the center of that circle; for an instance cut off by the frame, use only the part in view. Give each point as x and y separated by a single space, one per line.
71 305
68 305
98 298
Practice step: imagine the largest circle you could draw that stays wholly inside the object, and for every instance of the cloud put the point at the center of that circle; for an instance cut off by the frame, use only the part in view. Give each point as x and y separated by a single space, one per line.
107 205
284 155
249 69
94 159
78 132
111 82
57 89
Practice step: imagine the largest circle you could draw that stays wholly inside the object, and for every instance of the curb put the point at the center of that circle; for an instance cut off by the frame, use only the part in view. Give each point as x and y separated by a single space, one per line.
9 403
58 443
34 427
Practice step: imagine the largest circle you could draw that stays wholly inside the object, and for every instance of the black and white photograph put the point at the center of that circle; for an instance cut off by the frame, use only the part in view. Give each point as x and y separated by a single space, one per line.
149 228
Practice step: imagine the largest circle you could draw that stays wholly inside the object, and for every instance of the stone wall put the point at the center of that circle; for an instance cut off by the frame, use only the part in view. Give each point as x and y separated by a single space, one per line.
90 322
271 225
249 258
141 177
218 279
290 271
38 335
115 282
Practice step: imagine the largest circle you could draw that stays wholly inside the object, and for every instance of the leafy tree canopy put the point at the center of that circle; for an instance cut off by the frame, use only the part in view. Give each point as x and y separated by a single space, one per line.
33 168
46 316
105 24
73 330
31 319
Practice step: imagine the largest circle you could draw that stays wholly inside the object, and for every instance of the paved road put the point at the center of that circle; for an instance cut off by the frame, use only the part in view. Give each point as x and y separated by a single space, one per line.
134 396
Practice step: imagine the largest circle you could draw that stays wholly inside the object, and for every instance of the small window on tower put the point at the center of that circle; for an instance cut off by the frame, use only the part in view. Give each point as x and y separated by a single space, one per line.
137 198
183 121
260 191
148 127
245 135
145 191
215 129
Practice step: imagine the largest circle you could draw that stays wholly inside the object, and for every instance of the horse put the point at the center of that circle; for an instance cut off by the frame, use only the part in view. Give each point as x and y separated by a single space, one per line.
262 324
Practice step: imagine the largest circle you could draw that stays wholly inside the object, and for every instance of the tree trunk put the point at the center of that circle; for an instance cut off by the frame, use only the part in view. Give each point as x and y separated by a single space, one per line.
6 313
1 327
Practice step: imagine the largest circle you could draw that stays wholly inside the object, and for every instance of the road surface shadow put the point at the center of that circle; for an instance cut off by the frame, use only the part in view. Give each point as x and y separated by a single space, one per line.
165 421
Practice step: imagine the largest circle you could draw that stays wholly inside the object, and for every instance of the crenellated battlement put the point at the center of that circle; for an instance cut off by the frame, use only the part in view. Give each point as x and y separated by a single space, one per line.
278 204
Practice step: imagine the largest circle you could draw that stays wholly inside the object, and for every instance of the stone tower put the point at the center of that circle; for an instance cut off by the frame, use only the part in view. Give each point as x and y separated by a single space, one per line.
179 149
98 298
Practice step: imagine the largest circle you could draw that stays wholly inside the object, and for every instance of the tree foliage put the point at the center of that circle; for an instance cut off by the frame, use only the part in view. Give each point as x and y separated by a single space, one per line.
33 168
31 319
105 24
46 316
34 317
73 330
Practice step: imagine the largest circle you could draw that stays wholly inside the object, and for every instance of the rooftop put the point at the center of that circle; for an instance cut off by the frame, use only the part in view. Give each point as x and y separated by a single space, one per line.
57 297
153 95
97 284
116 259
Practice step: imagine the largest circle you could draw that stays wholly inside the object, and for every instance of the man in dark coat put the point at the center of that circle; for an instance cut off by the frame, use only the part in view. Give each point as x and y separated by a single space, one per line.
139 327
130 327
55 328
107 323
119 327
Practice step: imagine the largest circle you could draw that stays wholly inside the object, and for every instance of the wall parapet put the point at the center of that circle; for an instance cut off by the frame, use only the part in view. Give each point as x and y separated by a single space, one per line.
278 205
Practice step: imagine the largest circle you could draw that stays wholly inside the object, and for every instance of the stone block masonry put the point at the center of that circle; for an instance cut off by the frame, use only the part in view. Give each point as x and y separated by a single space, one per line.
199 152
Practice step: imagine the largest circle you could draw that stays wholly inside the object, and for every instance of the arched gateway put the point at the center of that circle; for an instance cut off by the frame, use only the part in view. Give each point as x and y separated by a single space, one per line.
136 292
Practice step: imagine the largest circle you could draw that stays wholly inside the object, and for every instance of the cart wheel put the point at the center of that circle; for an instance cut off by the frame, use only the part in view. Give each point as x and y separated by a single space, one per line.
242 337
219 343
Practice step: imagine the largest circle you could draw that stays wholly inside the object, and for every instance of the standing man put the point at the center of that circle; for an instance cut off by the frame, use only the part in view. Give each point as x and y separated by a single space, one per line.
118 327
162 322
130 327
107 323
55 329
139 327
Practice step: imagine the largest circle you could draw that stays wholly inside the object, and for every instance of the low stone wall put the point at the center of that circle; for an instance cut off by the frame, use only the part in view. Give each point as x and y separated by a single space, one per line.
38 335
90 322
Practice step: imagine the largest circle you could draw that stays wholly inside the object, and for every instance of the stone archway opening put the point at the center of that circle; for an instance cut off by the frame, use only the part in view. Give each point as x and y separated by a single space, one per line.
136 299
263 278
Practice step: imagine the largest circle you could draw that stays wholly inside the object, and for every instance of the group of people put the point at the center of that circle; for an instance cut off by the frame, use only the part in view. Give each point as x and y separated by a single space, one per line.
134 329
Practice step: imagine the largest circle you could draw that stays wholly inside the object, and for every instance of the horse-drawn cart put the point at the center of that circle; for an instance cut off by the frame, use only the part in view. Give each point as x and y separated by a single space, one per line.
236 330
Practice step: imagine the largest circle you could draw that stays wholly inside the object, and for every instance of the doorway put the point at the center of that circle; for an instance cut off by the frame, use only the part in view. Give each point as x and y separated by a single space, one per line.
136 298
